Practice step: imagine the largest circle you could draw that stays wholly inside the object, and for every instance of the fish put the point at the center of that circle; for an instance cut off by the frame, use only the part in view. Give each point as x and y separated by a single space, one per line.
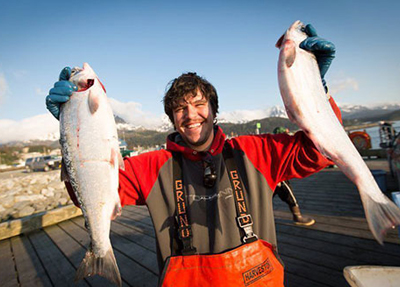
307 105
91 162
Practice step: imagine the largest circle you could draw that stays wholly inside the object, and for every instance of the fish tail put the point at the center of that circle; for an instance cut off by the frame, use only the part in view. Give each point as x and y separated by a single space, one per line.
381 216
104 266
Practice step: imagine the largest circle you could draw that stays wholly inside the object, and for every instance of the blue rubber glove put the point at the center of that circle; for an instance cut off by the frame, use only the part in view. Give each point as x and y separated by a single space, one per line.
323 50
60 93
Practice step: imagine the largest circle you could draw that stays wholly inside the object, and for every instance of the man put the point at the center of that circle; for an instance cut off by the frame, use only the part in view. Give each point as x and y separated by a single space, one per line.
285 192
210 199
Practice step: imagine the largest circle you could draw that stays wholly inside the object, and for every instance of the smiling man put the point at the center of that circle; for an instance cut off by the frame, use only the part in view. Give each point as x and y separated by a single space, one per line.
210 198
192 105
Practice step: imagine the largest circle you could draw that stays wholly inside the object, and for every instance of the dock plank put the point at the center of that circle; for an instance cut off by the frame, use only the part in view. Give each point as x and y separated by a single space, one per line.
145 257
292 280
8 275
130 269
142 256
59 269
138 208
139 217
129 230
340 225
337 253
308 253
131 233
29 268
74 252
133 220
313 272
339 239
313 256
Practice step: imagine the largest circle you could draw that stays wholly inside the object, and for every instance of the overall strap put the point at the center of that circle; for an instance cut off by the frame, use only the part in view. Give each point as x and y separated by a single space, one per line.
181 207
244 219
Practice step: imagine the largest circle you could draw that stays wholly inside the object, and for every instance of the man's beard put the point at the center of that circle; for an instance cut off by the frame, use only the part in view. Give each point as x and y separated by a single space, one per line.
202 140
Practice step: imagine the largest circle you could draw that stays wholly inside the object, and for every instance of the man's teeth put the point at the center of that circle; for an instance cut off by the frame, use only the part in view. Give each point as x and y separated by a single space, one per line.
194 125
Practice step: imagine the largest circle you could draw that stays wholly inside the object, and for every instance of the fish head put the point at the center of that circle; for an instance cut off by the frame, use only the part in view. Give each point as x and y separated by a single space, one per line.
288 44
295 33
83 77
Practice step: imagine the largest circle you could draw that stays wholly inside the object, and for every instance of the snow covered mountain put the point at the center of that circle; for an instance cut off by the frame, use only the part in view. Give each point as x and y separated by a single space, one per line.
46 128
358 111
243 116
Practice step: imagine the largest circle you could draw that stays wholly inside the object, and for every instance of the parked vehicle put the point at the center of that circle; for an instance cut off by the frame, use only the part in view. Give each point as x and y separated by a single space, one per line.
44 163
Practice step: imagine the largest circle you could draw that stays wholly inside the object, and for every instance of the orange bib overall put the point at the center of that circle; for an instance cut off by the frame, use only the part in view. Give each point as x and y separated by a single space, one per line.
252 264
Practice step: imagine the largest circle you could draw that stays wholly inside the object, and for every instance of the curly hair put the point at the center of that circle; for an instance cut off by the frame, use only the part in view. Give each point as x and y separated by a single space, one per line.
188 84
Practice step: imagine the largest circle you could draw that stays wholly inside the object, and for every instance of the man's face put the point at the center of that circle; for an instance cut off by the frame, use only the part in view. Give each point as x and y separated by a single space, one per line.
194 121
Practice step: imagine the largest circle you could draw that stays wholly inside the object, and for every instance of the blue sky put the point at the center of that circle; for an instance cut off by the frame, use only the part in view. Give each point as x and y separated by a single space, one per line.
137 47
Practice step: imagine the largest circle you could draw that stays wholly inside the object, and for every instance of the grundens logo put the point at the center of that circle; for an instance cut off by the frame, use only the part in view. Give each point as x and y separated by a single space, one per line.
257 272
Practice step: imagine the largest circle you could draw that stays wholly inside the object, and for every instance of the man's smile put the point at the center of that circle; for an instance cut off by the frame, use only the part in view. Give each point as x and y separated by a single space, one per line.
193 125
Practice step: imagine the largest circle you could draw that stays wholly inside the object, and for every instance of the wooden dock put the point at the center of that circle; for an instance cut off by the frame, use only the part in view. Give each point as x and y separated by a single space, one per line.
313 256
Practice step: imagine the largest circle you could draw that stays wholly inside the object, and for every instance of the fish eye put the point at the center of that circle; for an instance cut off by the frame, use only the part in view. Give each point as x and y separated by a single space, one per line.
75 71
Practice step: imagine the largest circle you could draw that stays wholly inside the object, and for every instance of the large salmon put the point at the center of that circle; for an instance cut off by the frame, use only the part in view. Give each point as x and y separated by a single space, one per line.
307 105
91 159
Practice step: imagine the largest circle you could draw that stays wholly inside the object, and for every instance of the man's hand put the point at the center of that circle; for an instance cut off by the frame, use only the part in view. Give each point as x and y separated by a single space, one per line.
60 93
323 50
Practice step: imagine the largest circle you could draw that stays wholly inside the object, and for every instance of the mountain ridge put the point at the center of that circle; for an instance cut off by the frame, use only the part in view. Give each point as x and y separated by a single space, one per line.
276 116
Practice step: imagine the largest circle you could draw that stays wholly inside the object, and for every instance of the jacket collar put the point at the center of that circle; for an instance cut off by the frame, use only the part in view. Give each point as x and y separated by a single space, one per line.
175 143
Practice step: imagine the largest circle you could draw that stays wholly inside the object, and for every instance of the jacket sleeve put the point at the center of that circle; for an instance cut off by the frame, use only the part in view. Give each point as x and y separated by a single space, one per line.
282 157
129 187
139 176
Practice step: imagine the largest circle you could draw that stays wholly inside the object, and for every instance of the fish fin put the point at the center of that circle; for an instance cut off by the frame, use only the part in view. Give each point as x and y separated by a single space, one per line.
289 51
381 216
112 157
279 42
117 211
64 173
116 156
93 101
121 161
104 266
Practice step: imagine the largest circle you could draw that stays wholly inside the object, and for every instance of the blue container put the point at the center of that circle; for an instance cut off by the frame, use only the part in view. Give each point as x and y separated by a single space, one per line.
380 178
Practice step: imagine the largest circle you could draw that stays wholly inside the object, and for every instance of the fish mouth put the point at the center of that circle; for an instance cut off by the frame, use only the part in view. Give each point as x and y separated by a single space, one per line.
89 83
85 84
84 78
79 77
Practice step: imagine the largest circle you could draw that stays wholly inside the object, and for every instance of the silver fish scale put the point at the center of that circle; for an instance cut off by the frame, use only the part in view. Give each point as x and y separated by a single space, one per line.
70 170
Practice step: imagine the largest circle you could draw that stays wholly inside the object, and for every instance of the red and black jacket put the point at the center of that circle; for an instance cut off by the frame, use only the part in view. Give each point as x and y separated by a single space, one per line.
263 161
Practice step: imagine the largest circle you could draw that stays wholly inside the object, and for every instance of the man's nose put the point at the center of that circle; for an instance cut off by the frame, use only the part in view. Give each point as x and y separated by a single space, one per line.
191 112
